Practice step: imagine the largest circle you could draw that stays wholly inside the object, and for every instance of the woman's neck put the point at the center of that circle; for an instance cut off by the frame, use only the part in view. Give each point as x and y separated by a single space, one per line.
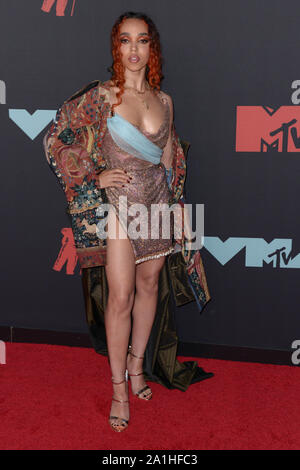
138 82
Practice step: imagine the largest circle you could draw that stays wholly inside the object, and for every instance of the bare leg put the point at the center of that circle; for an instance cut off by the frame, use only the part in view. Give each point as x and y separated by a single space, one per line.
120 272
144 309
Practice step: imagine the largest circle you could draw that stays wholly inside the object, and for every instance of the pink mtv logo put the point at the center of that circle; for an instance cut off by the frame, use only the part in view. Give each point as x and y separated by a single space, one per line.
60 6
2 352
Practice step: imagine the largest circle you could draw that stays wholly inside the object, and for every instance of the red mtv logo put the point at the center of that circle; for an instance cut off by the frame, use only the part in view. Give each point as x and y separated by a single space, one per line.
67 253
60 6
267 129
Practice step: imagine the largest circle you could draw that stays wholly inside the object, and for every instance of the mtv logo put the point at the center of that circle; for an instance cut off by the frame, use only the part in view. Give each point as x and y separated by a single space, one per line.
60 6
257 251
31 124
267 129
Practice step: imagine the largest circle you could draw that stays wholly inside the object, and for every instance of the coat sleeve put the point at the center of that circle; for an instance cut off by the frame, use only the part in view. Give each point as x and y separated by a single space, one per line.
69 146
178 167
174 160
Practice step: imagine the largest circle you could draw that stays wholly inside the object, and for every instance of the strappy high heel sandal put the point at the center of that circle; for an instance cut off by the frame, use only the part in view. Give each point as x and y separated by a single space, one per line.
117 423
141 393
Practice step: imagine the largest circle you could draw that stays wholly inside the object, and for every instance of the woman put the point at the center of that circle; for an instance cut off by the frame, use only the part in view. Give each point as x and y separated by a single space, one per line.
137 157
127 268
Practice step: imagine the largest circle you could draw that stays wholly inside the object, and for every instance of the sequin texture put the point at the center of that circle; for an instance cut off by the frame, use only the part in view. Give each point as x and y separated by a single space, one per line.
148 186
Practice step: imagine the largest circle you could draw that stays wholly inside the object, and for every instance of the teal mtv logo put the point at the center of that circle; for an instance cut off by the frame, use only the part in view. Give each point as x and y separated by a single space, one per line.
32 124
257 251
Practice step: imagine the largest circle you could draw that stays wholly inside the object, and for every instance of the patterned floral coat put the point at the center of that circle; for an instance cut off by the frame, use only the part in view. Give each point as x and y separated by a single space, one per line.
73 149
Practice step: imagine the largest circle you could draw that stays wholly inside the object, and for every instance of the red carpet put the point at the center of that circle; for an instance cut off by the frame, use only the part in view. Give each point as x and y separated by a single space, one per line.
57 397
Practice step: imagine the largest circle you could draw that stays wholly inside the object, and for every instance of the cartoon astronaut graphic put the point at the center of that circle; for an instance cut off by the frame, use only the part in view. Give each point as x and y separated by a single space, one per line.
60 6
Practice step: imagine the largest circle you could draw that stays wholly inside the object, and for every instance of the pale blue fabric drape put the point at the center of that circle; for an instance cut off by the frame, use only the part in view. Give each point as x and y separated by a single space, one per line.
133 141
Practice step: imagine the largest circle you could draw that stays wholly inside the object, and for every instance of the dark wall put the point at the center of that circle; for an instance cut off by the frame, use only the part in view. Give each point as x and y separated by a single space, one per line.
220 59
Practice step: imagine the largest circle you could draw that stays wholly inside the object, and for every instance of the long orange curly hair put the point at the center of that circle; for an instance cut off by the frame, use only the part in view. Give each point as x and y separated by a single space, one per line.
153 69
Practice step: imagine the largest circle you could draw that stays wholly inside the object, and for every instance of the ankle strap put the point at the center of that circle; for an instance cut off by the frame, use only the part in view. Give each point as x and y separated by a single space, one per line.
120 401
139 357
117 382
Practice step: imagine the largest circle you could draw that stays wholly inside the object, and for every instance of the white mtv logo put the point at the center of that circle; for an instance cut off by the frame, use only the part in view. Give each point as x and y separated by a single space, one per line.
2 352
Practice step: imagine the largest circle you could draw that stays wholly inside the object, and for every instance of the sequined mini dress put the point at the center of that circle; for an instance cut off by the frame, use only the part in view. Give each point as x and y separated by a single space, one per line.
148 186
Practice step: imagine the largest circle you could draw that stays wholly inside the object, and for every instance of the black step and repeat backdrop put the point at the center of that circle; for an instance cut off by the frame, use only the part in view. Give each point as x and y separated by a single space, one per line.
232 69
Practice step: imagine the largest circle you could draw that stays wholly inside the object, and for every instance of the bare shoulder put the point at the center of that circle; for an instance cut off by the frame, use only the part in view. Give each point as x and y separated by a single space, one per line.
170 104
168 98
